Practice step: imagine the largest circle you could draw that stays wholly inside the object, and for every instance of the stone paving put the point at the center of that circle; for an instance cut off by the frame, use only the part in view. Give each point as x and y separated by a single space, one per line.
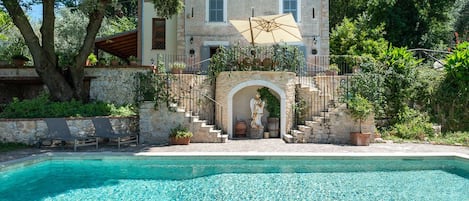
259 146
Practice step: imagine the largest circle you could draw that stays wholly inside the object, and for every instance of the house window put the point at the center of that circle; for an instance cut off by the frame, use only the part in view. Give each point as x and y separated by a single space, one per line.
216 10
159 34
291 6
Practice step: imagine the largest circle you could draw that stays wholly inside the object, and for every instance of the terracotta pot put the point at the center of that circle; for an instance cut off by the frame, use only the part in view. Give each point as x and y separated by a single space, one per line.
176 71
360 139
240 129
180 141
19 62
273 126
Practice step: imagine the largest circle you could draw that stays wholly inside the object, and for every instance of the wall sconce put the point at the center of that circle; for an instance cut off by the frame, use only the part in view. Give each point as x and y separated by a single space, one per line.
191 15
314 41
314 51
192 52
191 40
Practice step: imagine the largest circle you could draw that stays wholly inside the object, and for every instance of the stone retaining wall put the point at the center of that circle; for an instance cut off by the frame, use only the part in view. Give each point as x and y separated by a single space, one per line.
29 131
108 84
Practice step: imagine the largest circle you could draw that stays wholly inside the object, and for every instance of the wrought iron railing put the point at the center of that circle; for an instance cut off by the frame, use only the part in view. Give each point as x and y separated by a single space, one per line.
329 75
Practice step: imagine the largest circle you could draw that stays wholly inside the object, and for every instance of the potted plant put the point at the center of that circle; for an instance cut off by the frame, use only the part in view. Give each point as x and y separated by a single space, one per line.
273 106
132 60
19 60
91 60
360 109
180 135
333 69
177 67
114 60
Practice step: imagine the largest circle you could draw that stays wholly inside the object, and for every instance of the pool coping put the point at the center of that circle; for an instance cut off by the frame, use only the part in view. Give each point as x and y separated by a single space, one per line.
57 155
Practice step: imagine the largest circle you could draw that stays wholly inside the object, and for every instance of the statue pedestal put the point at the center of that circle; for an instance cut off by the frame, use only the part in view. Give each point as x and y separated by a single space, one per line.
256 133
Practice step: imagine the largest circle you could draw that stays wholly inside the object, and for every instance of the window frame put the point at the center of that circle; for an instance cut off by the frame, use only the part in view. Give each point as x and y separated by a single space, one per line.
225 11
154 33
298 9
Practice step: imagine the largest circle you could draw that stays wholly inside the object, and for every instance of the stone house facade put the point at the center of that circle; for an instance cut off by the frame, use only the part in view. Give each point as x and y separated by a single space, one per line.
204 25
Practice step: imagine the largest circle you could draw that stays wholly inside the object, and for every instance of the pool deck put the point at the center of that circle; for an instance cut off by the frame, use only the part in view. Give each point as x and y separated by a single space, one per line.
258 147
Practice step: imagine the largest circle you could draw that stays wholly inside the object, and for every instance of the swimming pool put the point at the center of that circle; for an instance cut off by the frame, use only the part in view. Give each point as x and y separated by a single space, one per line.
236 178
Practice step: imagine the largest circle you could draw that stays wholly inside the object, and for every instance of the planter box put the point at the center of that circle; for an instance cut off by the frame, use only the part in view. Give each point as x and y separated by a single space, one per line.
360 139
180 141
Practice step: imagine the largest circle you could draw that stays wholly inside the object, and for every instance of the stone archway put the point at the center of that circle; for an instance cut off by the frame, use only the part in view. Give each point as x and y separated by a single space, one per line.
282 83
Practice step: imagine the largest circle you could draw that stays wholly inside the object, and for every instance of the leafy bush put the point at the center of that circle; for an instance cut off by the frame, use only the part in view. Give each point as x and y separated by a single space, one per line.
42 107
180 132
359 108
273 104
11 146
454 138
412 125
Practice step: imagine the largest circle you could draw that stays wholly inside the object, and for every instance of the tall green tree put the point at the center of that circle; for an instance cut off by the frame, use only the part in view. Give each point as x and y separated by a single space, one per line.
341 9
412 23
42 47
357 37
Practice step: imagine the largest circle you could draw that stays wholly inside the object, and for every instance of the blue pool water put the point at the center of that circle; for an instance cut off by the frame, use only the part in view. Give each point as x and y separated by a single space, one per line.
238 178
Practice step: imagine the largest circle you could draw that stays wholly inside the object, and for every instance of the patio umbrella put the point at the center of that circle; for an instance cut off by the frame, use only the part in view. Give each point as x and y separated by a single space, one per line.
269 29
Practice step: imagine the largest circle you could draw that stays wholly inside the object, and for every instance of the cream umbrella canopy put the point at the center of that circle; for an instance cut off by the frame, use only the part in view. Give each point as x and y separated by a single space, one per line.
269 29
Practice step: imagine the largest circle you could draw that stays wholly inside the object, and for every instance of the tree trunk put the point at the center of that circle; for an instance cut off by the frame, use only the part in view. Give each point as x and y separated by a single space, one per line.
60 85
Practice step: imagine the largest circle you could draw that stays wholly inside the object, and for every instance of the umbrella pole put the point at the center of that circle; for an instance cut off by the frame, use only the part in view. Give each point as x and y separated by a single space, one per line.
252 33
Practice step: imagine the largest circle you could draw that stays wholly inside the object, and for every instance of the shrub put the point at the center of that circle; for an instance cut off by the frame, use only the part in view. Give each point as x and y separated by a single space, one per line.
412 125
180 132
42 107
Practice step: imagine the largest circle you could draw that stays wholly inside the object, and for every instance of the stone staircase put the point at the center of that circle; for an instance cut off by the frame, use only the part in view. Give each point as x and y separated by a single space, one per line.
203 132
317 128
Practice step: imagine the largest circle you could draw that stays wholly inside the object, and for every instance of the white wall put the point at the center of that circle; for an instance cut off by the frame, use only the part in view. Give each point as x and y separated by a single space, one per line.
171 27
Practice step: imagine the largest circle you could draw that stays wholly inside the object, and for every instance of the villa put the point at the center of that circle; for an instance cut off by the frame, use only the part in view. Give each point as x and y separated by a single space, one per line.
308 96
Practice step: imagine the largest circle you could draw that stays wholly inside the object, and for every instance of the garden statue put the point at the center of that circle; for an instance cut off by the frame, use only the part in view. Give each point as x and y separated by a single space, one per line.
257 109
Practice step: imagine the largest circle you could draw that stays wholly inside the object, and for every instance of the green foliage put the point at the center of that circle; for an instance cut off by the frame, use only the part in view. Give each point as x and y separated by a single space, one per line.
168 8
272 102
457 66
5 25
71 30
356 37
452 138
412 125
283 57
399 74
92 59
449 106
178 65
387 81
359 108
410 23
287 58
461 25
42 107
11 146
154 87
180 132
424 89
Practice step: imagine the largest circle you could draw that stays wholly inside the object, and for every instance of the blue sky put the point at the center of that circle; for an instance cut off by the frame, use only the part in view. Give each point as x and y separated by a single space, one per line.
36 12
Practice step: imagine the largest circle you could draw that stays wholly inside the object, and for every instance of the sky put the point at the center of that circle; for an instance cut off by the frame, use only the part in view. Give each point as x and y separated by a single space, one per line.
36 12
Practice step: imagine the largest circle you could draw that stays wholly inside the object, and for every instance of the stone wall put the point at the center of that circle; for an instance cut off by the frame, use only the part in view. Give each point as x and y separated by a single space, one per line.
115 85
341 124
29 131
155 124
229 83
